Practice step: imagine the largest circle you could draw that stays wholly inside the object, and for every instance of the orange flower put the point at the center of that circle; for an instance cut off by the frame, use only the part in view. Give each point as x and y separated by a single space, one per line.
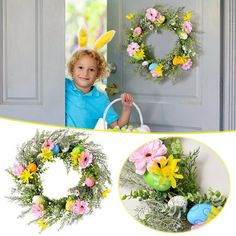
32 168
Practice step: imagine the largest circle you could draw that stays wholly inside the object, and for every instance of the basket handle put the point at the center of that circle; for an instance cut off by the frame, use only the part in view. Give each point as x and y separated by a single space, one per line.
117 100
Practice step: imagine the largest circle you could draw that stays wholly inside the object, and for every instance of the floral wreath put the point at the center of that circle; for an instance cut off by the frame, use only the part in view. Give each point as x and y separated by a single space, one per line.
76 153
164 180
153 20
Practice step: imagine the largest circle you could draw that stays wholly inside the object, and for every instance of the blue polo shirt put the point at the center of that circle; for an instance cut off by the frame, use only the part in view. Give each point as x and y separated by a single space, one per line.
84 110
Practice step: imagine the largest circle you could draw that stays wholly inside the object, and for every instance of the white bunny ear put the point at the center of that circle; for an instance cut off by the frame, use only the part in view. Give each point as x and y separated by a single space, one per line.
83 38
104 39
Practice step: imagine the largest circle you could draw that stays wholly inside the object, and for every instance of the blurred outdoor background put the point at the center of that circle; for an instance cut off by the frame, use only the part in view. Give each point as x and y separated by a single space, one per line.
91 14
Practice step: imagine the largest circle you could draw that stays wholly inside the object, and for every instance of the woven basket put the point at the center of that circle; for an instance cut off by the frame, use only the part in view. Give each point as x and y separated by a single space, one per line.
141 128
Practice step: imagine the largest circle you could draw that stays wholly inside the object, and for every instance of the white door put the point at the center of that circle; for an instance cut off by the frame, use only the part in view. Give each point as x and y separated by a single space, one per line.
32 66
192 104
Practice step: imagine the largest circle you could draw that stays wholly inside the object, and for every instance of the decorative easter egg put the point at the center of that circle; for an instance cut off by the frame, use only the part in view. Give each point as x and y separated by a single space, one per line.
178 201
78 149
143 128
38 199
152 66
153 180
56 149
116 128
199 213
89 182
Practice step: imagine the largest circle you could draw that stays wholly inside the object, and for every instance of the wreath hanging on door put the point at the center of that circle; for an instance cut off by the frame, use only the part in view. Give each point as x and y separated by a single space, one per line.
76 153
154 20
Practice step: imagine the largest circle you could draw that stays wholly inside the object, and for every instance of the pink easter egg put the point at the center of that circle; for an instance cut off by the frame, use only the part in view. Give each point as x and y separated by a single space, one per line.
89 182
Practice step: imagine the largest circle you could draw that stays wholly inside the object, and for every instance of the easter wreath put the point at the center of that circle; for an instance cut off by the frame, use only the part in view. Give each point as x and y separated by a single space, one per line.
77 153
154 20
164 180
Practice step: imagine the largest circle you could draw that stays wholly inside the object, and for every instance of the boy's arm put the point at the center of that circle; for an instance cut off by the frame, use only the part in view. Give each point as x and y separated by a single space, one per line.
127 101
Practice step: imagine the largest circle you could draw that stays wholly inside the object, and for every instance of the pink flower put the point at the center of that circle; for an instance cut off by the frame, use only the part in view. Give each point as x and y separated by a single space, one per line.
48 144
38 210
197 226
144 157
89 182
132 48
17 169
187 65
86 159
80 207
154 74
152 14
138 31
187 27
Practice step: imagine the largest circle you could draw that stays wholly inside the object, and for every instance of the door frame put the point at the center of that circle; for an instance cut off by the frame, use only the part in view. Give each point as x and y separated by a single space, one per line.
228 65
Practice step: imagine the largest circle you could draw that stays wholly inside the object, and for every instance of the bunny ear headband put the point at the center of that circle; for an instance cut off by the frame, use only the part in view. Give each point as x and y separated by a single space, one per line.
100 42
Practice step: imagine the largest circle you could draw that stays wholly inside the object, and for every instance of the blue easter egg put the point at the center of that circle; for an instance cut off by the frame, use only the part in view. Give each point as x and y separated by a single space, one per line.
56 149
199 213
152 66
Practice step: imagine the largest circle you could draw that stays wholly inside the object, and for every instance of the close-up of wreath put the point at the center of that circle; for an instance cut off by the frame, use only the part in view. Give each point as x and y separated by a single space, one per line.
155 20
78 154
159 186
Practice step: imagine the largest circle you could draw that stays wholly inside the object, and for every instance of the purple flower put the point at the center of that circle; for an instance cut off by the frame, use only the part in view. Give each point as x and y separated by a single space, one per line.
17 169
86 159
144 157
187 65
80 207
132 48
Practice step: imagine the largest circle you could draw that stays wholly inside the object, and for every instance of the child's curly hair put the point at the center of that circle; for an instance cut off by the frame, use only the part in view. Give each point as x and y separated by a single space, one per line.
102 65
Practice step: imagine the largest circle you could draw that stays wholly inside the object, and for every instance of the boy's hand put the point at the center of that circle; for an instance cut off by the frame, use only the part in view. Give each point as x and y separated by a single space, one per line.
127 100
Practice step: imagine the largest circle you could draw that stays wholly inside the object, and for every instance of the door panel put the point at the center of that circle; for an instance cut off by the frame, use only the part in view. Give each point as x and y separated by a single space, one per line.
193 102
32 60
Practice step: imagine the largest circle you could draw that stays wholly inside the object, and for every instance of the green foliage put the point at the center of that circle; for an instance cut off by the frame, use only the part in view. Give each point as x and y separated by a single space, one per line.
143 194
213 197
174 146
188 168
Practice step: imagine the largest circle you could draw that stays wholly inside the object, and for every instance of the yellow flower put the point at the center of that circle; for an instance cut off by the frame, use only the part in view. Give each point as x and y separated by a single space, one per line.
179 60
161 20
168 169
69 202
188 16
130 16
42 225
47 154
158 70
214 212
105 193
76 157
139 54
26 176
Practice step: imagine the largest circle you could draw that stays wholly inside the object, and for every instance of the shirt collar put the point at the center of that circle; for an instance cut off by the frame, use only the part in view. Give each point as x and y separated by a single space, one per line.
93 92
